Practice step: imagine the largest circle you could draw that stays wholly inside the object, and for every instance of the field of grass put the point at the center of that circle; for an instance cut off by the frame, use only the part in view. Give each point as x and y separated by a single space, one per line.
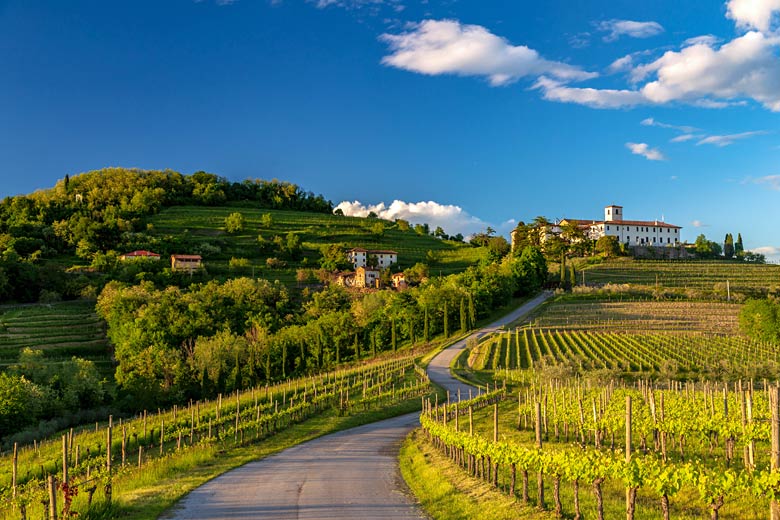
703 275
61 330
206 225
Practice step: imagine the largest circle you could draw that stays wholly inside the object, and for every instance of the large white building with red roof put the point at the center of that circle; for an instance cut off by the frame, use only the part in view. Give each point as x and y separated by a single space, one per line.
358 257
630 232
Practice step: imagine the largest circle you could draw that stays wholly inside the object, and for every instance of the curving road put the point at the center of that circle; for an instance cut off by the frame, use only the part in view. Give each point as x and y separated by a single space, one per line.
351 474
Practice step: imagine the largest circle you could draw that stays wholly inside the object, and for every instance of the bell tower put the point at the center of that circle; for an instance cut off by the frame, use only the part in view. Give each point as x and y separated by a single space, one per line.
613 213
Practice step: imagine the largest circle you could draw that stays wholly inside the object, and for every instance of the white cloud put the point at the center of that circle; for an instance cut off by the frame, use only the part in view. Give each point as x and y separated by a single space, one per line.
651 154
684 137
351 4
771 253
699 224
725 140
772 181
618 28
682 128
621 64
706 39
435 47
753 14
595 98
453 219
699 74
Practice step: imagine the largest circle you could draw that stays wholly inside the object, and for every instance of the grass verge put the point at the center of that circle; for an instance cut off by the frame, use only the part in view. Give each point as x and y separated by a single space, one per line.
445 492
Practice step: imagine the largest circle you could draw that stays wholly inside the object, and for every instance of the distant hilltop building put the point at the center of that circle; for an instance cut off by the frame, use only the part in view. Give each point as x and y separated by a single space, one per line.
629 232
358 257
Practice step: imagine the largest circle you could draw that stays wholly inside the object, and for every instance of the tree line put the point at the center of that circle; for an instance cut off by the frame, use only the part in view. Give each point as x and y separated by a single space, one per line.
174 344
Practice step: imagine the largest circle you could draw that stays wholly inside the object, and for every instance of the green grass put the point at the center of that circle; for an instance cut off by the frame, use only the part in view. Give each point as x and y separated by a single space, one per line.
444 491
61 330
206 225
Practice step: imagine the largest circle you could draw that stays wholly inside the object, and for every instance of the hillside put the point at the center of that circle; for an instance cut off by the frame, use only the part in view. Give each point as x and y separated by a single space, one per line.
701 275
202 229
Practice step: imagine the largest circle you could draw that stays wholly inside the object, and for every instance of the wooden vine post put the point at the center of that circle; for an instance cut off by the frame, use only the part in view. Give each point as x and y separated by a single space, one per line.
108 457
630 491
540 476
52 485
774 508
495 440
13 473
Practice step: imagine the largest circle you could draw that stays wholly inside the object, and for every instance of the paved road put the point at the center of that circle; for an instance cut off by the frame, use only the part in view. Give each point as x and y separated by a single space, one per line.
351 474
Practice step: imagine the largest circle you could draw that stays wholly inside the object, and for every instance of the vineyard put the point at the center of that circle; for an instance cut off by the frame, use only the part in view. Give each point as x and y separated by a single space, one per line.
60 330
86 467
639 315
708 276
533 348
607 451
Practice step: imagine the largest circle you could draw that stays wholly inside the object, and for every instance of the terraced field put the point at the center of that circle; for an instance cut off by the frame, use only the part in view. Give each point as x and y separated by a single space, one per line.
61 330
680 274
640 316
205 225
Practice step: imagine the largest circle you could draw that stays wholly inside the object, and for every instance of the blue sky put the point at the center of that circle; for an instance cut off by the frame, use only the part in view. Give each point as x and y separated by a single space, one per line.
485 112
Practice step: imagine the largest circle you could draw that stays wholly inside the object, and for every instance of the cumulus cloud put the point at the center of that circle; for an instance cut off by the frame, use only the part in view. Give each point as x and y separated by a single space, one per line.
622 64
435 47
753 14
617 28
772 253
700 74
726 140
651 154
699 224
705 39
453 219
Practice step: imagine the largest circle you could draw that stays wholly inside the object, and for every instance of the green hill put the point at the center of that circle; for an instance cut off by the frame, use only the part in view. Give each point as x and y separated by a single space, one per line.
186 229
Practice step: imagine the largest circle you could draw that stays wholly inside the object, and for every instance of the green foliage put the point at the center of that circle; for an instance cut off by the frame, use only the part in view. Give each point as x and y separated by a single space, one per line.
529 271
760 319
21 402
608 246
728 246
235 222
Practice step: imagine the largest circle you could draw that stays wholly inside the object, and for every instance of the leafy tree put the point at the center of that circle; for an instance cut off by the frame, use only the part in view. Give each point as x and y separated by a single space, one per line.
21 402
529 271
235 222
334 258
608 246
266 220
439 233
497 248
403 225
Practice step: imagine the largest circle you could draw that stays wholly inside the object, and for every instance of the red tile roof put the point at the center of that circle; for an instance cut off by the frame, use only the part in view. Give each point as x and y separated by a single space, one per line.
142 253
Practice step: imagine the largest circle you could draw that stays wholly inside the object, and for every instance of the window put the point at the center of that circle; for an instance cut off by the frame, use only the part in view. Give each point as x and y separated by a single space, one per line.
607 228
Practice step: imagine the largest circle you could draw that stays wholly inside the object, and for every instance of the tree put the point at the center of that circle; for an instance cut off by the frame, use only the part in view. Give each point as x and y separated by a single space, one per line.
234 223
608 246
728 246
529 271
266 220
497 248
439 233
738 247
760 319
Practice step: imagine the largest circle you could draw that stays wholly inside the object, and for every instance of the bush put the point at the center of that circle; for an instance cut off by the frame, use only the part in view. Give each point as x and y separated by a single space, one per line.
275 263
234 223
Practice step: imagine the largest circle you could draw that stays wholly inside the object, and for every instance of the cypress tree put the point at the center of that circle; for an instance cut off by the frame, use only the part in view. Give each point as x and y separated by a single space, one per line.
563 270
472 312
572 275
357 347
463 323
446 320
738 247
426 327
728 246
392 334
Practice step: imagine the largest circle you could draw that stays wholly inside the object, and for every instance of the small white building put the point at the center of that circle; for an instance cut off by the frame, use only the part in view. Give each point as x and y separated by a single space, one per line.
630 232
358 257
366 277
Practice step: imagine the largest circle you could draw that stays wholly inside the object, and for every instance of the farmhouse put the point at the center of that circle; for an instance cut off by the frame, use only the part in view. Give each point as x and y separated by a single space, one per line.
135 255
186 262
629 232
359 257
367 277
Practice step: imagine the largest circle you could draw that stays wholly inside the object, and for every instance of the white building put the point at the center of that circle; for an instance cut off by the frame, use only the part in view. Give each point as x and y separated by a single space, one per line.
630 232
358 257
